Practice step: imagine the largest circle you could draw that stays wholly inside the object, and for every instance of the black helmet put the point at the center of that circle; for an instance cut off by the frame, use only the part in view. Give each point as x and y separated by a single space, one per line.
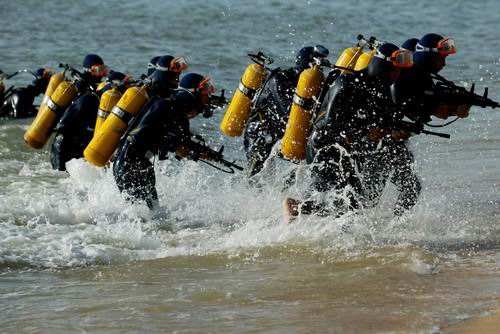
43 73
423 54
116 76
41 81
410 44
305 56
152 65
433 46
166 74
94 64
381 62
91 60
199 86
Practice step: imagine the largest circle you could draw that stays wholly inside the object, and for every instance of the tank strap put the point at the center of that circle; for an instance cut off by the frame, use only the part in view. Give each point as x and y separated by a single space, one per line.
249 92
54 107
102 113
307 104
123 115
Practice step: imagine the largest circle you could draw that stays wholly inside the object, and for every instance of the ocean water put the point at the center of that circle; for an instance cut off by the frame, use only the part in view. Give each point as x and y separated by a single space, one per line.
75 257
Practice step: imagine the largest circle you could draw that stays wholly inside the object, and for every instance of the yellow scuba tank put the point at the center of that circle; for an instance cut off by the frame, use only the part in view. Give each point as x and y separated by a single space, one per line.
293 144
108 100
54 81
349 57
238 112
106 140
40 130
364 60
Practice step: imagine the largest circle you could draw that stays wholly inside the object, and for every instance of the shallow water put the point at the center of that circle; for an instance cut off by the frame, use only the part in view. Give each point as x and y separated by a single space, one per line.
217 257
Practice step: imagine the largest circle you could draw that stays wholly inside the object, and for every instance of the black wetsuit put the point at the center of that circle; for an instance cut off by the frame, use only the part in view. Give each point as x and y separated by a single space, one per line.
18 103
269 117
75 129
396 156
163 127
338 143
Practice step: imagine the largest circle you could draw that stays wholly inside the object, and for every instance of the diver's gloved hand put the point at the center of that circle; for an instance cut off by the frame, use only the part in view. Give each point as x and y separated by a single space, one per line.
182 152
376 134
462 111
443 111
400 135
208 111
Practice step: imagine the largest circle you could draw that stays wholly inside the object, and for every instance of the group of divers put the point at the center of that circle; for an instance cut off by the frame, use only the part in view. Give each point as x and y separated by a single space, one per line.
350 121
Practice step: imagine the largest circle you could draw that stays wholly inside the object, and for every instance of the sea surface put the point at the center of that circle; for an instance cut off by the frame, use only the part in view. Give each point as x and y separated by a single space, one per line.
217 257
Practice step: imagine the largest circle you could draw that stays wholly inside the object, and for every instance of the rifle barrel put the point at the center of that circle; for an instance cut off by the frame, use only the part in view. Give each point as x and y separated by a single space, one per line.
438 134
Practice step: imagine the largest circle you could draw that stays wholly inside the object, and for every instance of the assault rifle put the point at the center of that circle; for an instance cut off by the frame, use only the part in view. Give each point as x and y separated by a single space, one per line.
5 76
73 71
418 128
217 101
447 92
198 150
79 76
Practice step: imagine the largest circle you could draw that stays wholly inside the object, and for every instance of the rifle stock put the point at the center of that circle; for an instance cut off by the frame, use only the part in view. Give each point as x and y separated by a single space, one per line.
198 150
78 76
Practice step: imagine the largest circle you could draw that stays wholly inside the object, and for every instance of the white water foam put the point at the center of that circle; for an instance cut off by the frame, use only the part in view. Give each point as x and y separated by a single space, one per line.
83 219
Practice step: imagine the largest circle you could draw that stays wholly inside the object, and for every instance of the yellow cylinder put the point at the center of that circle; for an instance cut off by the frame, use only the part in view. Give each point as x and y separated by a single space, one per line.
238 112
293 144
108 100
349 57
364 60
106 140
40 130
54 81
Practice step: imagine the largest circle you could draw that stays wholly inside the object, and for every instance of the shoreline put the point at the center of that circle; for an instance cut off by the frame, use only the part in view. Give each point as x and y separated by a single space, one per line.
484 323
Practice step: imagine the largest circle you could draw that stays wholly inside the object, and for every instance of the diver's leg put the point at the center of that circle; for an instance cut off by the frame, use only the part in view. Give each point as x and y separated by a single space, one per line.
134 176
406 180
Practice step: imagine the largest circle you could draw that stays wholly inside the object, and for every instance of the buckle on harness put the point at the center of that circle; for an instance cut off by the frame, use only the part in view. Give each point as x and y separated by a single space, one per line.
307 104
102 113
121 114
248 92
53 106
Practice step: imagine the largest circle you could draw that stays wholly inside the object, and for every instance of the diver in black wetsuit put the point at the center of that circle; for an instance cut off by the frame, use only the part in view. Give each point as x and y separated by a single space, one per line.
354 116
409 90
75 129
394 156
270 112
163 128
18 102
408 93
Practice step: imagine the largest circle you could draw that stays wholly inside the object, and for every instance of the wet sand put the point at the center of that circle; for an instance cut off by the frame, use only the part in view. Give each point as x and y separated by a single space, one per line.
484 324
